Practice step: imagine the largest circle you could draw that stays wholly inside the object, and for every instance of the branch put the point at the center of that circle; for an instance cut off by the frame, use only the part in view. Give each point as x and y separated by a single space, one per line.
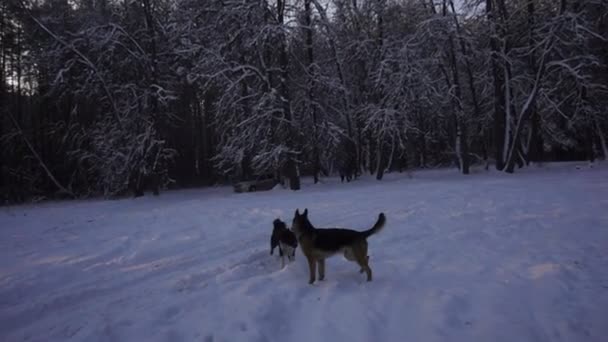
37 156
86 62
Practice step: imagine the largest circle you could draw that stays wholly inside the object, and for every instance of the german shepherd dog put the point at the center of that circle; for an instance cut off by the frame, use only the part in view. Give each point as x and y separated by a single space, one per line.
319 244
285 239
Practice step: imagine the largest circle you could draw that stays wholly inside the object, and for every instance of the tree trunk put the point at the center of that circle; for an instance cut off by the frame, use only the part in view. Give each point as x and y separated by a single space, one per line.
589 144
292 167
18 66
316 167
535 143
461 122
602 137
588 138
377 95
422 152
3 93
152 80
471 83
526 112
380 163
499 99
196 113
373 161
535 148
207 117
510 112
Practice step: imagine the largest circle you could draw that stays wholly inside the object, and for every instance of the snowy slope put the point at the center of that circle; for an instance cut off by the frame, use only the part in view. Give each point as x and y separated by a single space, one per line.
488 257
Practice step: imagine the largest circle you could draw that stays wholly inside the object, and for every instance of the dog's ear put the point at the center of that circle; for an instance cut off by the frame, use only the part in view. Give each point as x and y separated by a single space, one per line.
305 213
297 212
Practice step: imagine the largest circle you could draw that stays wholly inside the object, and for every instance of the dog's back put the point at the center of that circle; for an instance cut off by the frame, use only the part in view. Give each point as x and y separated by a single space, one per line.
288 237
332 239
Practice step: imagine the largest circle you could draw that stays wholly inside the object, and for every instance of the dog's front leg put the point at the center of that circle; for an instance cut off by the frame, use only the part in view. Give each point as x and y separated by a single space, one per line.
282 255
321 269
312 265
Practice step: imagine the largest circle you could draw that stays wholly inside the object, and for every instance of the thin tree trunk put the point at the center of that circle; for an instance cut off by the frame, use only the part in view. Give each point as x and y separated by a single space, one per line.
422 152
373 154
196 113
316 168
153 178
535 148
589 144
207 117
3 91
461 122
535 143
588 138
432 6
391 156
18 66
508 106
499 99
470 77
377 94
292 166
379 159
600 134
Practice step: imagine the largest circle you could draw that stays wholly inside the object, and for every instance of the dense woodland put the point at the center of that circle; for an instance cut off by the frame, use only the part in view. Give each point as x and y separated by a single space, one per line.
118 97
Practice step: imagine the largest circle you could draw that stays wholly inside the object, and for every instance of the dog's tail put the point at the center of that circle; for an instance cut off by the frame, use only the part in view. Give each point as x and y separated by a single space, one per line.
377 226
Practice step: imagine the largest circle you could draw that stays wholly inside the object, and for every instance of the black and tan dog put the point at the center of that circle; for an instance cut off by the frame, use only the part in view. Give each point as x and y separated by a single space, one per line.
319 244
285 239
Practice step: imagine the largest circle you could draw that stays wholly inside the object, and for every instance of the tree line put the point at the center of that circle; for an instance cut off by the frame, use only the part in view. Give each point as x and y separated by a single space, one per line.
117 97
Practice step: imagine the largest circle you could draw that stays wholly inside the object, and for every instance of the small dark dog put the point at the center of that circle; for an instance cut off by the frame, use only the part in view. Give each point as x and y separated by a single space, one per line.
285 239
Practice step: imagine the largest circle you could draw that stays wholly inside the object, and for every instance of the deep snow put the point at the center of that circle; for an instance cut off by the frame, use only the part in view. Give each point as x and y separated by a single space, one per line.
485 257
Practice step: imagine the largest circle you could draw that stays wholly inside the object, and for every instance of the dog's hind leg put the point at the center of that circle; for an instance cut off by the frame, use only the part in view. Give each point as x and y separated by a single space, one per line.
360 252
362 270
321 269
291 253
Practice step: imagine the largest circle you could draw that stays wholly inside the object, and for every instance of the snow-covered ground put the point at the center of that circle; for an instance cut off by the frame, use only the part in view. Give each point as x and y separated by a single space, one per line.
485 257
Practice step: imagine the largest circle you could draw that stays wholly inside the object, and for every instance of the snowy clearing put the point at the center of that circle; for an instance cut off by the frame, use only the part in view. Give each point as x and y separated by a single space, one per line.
488 257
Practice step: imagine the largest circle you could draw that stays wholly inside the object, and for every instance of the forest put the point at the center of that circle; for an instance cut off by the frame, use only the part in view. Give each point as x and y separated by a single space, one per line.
120 97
